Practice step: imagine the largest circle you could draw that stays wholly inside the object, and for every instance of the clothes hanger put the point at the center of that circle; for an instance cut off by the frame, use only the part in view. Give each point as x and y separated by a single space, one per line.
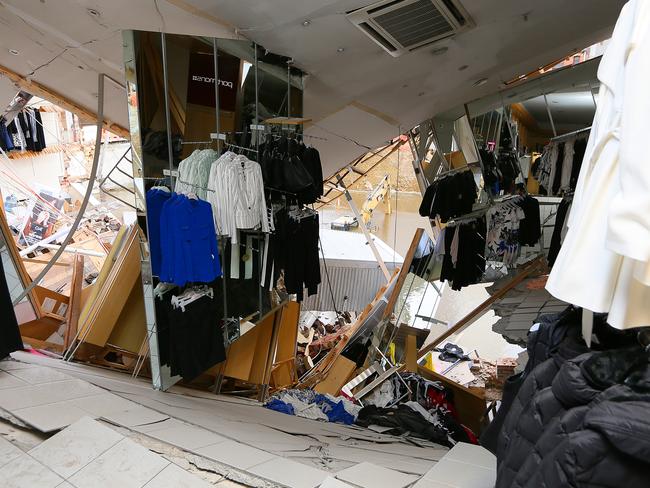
191 295
162 288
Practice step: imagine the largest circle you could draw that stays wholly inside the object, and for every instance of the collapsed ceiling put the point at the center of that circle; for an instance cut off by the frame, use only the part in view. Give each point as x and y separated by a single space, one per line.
357 95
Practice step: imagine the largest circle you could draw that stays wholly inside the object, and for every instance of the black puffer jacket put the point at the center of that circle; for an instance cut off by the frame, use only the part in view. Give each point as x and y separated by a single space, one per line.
579 382
544 341
604 444
539 378
590 428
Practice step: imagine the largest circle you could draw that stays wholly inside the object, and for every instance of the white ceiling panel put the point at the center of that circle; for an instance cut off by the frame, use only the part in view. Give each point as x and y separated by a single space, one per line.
64 45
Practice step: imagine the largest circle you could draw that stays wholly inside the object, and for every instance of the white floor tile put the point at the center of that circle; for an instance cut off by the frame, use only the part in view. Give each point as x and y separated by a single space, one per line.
462 475
40 375
125 465
165 424
369 475
25 472
290 473
135 416
8 452
75 447
13 365
175 477
49 418
234 454
103 404
10 381
425 483
187 437
334 483
58 391
472 454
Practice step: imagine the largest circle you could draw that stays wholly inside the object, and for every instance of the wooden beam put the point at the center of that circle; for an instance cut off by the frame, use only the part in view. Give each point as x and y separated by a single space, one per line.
484 307
403 273
39 90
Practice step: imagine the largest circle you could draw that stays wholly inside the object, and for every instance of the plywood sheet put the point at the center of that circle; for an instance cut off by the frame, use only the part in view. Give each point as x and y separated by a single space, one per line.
113 295
130 329
338 376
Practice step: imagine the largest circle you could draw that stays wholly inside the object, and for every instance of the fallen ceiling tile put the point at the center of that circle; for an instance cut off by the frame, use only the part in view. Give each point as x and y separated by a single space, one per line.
368 475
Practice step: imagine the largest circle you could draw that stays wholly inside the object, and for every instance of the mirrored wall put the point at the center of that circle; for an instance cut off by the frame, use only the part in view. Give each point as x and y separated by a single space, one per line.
196 97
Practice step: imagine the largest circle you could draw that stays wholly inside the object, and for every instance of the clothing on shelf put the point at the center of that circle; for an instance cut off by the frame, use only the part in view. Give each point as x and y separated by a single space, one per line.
530 228
16 131
555 179
450 196
463 263
604 262
557 169
24 132
500 173
290 166
6 140
503 222
155 199
243 265
575 417
559 229
237 195
191 341
188 241
294 249
579 148
194 173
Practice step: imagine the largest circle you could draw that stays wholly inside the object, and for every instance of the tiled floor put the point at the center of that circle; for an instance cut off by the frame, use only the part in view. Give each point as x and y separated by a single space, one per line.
90 455
235 433
465 466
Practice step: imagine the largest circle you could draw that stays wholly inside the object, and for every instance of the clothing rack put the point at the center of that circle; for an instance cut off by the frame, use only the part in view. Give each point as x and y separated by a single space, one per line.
277 190
229 145
483 210
196 142
451 172
195 185
468 217
570 134
299 135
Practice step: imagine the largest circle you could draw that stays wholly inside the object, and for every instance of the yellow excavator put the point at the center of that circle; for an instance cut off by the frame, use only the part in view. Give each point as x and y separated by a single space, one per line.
377 195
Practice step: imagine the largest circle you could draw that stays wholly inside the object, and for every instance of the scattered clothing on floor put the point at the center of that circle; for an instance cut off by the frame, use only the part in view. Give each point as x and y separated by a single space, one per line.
312 405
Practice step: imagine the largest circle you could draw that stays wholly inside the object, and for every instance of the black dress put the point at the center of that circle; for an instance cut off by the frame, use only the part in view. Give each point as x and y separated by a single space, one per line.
10 339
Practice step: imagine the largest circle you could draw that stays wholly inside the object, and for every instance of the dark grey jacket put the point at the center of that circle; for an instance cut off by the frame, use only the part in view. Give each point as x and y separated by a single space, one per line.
542 343
590 428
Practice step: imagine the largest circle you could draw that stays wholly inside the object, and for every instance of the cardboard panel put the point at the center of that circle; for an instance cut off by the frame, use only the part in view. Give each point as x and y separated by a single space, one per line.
113 295
131 329
338 376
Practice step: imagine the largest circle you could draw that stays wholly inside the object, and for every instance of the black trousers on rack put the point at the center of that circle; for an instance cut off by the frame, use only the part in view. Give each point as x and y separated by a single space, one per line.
294 248
190 341
10 339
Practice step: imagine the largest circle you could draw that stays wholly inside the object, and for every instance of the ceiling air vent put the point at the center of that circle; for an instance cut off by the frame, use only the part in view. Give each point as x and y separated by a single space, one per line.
401 26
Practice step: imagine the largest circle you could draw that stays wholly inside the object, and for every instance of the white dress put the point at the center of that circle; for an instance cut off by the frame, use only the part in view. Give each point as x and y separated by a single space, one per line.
604 263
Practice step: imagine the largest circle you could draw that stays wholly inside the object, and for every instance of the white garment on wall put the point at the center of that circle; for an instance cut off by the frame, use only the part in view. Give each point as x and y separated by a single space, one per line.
567 164
604 263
